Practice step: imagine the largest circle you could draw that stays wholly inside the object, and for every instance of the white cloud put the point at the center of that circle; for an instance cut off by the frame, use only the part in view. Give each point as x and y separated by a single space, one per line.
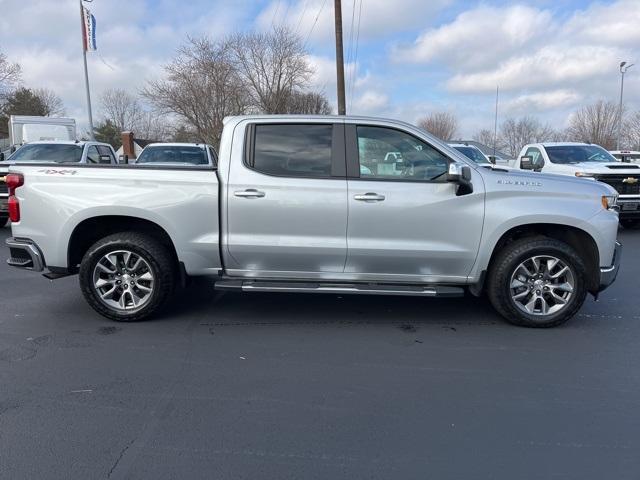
537 102
480 37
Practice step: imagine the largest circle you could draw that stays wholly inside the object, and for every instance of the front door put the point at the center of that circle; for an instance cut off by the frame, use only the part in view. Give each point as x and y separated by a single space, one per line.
287 202
406 222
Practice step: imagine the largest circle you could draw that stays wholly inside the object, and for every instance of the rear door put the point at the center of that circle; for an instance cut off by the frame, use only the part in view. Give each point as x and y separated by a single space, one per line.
406 222
287 202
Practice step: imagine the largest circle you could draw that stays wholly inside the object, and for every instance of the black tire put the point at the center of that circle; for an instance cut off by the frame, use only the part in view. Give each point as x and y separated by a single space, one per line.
3 220
630 223
507 261
161 264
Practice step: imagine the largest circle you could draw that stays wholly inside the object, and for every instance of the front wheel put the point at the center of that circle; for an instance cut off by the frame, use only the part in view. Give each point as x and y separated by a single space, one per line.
127 276
537 282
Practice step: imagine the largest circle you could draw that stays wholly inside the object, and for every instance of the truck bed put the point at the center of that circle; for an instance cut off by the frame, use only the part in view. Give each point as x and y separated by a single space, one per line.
183 202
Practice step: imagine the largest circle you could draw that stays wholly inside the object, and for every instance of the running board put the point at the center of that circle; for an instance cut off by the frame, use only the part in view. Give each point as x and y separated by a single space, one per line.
328 287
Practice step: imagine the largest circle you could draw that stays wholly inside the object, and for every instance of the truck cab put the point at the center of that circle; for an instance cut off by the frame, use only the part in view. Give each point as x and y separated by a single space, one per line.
589 161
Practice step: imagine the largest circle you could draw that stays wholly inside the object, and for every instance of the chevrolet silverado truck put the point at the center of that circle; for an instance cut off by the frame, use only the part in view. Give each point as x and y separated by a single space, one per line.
590 161
313 204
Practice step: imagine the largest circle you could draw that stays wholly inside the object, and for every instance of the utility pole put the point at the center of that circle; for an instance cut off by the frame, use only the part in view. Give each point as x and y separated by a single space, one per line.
623 70
495 125
86 71
339 57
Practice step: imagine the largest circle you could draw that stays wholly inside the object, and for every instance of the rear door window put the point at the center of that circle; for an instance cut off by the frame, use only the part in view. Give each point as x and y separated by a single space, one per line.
292 150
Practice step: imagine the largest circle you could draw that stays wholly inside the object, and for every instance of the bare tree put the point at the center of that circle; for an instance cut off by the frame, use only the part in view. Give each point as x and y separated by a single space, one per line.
485 137
201 87
514 134
596 123
121 107
310 103
443 125
10 74
632 131
272 67
51 101
152 126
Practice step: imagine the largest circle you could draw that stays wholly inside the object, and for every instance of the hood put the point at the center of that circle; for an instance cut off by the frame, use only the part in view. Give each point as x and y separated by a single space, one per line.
516 179
612 167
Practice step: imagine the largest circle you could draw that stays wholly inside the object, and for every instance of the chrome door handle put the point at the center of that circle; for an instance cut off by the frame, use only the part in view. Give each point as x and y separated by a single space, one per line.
369 197
249 193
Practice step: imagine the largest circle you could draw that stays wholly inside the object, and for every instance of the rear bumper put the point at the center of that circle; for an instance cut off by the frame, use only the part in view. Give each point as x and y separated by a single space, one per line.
609 274
25 254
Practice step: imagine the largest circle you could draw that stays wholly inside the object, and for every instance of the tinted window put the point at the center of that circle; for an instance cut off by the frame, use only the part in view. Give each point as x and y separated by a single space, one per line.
472 153
293 150
47 153
106 151
173 154
391 154
92 155
535 154
566 154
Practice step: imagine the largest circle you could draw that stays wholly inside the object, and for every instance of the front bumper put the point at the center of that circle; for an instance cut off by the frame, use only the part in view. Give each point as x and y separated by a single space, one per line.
629 207
25 254
609 274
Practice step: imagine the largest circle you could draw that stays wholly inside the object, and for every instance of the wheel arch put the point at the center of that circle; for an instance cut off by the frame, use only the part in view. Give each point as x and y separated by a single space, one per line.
90 230
580 240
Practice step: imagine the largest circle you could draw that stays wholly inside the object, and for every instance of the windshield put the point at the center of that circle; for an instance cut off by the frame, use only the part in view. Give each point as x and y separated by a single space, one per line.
173 154
60 153
578 153
472 153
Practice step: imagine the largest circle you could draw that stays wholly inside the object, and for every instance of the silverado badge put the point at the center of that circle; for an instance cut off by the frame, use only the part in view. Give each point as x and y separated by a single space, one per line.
630 180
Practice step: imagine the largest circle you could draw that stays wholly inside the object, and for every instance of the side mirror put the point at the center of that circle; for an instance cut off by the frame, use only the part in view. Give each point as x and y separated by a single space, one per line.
105 159
124 159
528 163
460 174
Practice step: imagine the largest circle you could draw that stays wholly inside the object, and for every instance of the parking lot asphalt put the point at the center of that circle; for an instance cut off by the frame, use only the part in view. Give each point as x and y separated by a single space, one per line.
232 386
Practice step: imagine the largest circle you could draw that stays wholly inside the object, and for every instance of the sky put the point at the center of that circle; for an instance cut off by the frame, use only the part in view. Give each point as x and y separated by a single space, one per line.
406 59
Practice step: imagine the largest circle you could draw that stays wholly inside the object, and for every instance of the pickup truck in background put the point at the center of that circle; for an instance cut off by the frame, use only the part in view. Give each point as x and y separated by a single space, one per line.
589 161
308 204
185 154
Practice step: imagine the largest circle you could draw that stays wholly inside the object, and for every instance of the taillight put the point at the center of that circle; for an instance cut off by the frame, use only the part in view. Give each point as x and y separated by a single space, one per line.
14 180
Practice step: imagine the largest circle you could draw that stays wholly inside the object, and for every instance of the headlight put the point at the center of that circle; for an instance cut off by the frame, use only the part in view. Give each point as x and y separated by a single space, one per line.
610 202
584 174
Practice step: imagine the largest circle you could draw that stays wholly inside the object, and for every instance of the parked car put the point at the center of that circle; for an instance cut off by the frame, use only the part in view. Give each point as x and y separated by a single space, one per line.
472 152
178 154
626 156
588 161
288 209
48 152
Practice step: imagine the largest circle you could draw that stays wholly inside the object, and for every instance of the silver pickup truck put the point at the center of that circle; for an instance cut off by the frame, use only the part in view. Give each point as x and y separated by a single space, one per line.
315 204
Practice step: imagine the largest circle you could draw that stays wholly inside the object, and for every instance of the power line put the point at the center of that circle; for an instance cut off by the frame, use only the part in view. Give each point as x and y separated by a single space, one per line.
304 10
354 70
315 22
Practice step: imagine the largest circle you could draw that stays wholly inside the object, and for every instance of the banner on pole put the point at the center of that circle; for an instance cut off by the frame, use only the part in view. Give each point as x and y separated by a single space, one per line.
88 30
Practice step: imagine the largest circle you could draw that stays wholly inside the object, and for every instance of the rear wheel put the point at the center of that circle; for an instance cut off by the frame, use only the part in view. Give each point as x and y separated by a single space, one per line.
3 220
630 223
537 282
127 276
